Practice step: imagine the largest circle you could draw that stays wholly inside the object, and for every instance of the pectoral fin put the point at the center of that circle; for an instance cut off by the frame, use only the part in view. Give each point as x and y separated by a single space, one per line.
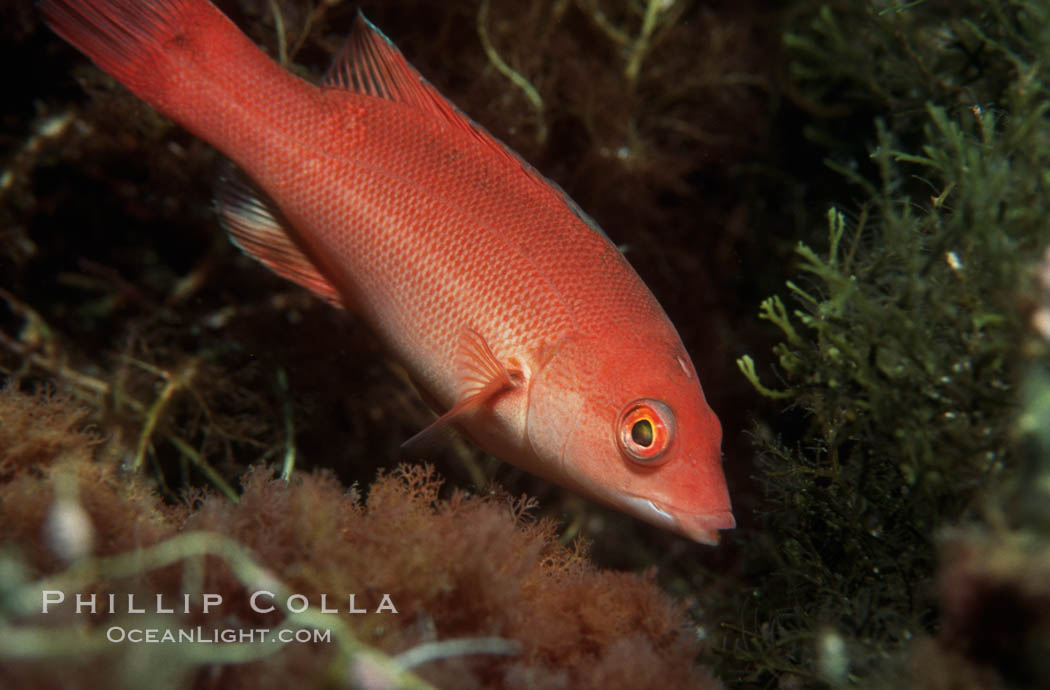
481 377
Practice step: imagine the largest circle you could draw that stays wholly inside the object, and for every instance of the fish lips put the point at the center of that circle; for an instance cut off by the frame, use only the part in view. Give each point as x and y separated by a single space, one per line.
700 527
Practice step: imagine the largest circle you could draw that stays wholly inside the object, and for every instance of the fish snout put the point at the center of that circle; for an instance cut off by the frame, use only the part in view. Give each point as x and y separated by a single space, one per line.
700 527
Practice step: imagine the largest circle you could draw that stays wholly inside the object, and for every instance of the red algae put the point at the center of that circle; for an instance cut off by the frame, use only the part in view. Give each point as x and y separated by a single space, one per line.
458 567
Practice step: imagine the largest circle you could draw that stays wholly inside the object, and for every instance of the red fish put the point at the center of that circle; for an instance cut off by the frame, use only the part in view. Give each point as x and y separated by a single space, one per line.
508 305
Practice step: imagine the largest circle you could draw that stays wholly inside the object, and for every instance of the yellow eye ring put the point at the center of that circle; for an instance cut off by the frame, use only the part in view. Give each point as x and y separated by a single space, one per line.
645 430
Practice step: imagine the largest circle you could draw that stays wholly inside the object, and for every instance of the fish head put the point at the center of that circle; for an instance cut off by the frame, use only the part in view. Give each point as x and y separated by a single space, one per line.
626 423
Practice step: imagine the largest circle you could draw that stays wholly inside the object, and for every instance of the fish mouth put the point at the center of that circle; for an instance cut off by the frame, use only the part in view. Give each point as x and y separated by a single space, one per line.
701 527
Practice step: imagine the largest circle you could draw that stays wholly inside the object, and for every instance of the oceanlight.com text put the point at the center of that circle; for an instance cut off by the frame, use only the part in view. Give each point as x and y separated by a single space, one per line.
202 635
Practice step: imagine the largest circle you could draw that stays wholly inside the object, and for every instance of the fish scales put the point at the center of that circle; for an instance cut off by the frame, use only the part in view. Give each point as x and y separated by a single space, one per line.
509 308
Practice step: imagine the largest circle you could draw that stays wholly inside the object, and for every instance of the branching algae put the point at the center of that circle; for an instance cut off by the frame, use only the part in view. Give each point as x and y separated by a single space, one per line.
903 342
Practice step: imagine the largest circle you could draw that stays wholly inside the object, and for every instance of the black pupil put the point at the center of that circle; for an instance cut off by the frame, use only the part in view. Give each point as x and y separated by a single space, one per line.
642 433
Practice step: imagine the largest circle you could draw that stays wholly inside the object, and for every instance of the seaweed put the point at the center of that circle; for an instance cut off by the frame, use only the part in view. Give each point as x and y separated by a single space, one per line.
887 159
192 364
905 345
408 590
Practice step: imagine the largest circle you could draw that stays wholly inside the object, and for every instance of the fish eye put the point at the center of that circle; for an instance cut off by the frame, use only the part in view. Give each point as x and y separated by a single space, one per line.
642 433
645 430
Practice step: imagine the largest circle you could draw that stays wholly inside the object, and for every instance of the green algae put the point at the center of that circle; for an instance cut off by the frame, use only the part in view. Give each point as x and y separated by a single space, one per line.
892 178
906 339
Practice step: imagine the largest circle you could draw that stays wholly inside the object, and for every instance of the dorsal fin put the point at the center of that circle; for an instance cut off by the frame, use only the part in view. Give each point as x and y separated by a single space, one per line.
371 64
256 226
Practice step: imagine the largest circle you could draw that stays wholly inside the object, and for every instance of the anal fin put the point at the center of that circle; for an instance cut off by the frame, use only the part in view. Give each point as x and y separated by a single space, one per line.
256 226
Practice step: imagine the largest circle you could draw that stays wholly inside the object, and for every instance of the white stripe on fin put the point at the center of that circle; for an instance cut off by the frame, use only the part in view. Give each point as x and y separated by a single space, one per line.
256 227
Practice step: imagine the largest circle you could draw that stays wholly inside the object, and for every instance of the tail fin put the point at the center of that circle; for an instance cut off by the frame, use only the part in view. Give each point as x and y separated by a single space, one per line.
126 38
183 57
